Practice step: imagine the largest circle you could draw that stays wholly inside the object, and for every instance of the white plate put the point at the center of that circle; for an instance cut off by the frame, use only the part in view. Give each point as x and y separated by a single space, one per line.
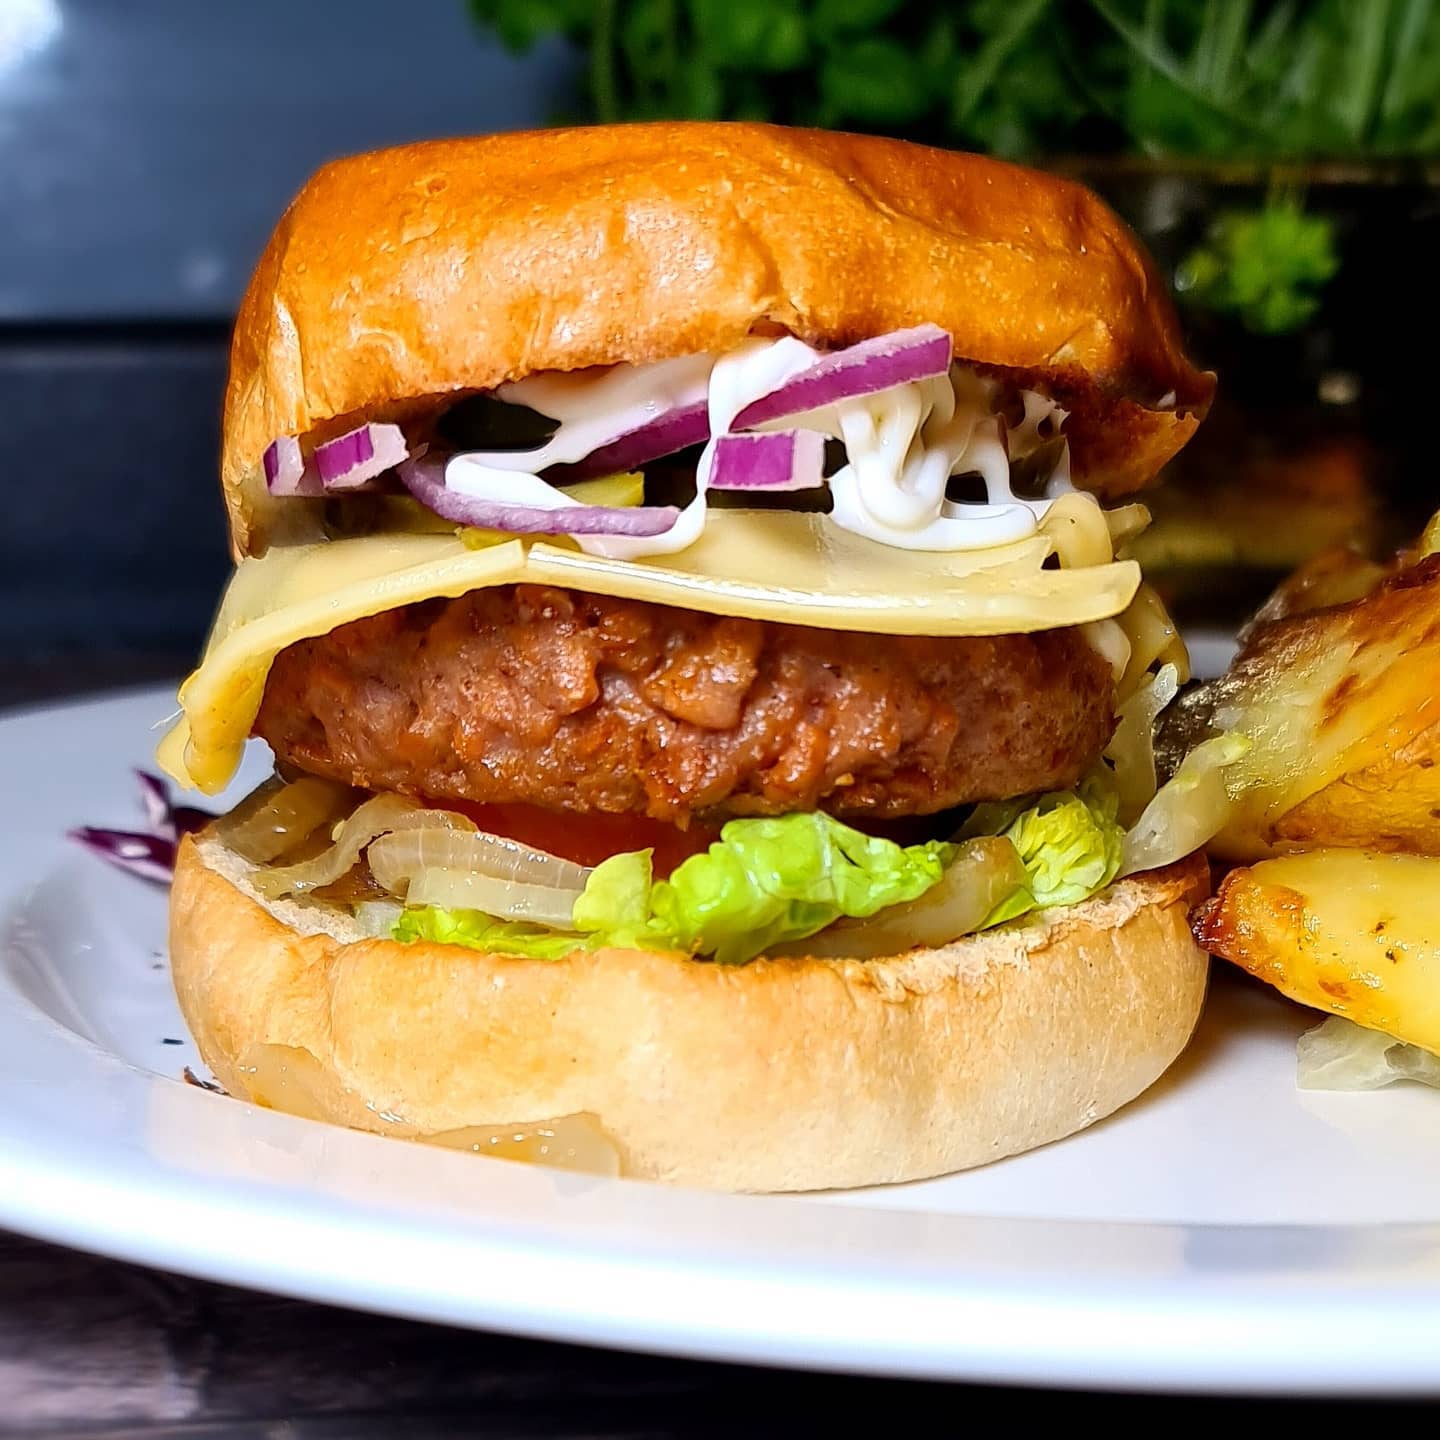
1223 1233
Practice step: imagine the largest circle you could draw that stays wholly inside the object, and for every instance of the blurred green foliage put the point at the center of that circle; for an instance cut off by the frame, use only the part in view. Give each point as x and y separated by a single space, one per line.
1264 79
1266 268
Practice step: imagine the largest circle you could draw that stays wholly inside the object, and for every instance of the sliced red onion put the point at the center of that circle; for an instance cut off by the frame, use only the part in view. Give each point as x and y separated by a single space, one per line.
899 358
151 857
149 853
783 460
162 814
674 430
425 480
351 461
155 800
354 460
286 472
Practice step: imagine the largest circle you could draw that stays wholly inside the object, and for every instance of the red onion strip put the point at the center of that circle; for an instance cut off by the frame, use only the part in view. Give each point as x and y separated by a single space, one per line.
151 857
286 473
148 853
351 461
675 430
783 460
871 366
425 480
155 800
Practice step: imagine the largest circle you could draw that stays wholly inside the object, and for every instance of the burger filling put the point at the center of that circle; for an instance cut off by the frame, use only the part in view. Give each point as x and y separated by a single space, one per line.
544 695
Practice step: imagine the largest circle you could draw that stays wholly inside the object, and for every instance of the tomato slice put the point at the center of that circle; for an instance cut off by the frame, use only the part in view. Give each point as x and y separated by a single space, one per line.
587 839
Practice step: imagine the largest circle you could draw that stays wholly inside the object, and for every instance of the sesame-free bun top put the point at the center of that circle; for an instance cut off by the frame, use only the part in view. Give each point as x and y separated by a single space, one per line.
403 276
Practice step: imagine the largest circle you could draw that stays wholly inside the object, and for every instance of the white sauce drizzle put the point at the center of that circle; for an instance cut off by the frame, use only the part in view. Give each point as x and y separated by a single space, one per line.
902 446
593 407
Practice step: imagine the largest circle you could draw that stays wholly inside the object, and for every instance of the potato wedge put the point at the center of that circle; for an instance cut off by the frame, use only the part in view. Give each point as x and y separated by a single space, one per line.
1342 707
1333 577
1391 805
1353 932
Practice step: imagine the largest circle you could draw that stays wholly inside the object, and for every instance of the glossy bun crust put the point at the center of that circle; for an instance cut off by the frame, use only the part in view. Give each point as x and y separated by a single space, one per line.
406 275
786 1074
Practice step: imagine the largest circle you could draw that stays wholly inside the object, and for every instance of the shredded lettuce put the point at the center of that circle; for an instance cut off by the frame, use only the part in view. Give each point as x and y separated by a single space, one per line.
479 932
1131 750
1341 1055
765 881
1189 810
1070 844
615 904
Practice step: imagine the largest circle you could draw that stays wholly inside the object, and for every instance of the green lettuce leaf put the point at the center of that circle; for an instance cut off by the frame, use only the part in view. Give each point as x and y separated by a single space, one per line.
478 931
615 905
768 881
1070 843
763 882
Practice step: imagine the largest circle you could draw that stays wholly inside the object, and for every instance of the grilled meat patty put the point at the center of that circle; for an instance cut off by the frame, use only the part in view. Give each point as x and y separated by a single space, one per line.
586 703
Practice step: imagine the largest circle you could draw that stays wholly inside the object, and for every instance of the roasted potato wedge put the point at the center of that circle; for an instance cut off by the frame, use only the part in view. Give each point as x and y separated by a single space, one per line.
1393 804
1334 577
1342 707
1353 932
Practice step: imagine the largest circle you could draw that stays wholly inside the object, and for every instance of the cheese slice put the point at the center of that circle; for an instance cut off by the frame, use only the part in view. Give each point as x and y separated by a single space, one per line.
776 565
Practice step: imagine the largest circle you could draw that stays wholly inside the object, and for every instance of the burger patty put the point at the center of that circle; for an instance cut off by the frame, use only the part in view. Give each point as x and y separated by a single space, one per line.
581 702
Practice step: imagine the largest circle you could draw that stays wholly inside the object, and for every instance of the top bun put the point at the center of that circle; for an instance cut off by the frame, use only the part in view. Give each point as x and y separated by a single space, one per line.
456 265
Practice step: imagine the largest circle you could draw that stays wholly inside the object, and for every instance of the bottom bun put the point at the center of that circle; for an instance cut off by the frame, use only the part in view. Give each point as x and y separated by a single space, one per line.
783 1074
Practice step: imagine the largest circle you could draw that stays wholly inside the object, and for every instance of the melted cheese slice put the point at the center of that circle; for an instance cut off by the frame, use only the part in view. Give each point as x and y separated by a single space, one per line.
775 565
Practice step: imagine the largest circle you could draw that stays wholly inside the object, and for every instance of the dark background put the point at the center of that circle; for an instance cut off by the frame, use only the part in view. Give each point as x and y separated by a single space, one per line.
147 147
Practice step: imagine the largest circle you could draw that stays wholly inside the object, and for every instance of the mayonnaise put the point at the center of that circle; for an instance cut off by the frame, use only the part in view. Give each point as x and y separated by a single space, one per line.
594 406
902 445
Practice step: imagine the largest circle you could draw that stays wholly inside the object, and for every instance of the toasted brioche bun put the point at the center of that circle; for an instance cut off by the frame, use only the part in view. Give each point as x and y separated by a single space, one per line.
791 1074
406 275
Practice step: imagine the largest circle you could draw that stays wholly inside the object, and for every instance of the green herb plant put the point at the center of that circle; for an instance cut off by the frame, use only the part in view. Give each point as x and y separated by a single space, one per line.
1266 267
1262 79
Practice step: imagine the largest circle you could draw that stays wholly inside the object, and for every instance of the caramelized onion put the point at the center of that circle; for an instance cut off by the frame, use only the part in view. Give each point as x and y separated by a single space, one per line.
377 917
289 1078
573 1142
503 899
1079 531
1132 748
401 857
354 887
1153 637
277 817
1188 811
985 872
375 817
1126 522
476 870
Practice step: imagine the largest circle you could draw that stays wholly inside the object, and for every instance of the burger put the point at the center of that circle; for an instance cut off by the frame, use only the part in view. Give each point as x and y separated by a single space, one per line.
711 706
